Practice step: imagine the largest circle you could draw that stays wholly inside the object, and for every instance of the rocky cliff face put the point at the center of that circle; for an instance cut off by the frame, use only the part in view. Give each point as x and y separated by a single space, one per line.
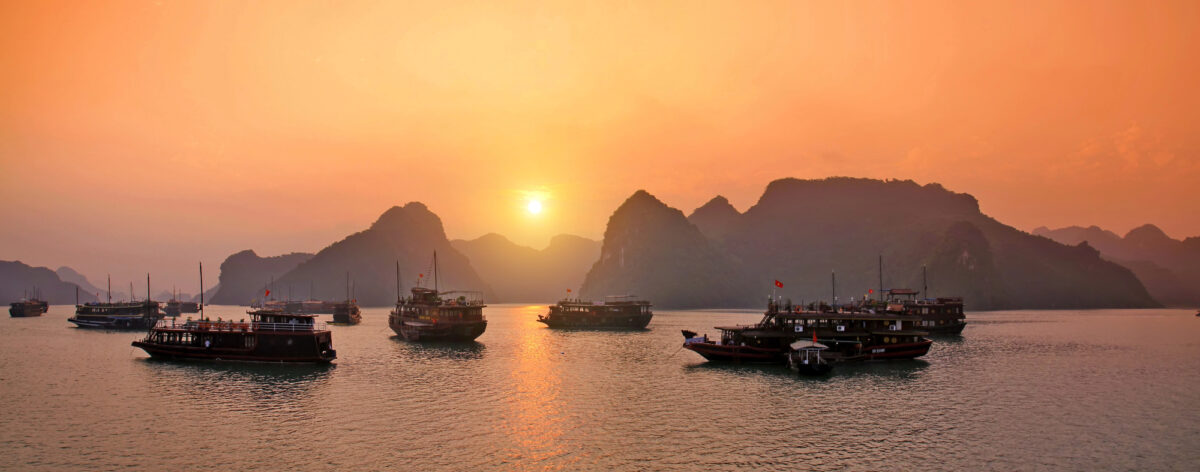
802 230
408 235
17 279
244 275
1169 268
715 219
651 250
523 274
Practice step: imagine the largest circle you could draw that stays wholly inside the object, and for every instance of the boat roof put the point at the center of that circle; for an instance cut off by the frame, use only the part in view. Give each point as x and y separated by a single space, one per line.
278 312
798 345
816 315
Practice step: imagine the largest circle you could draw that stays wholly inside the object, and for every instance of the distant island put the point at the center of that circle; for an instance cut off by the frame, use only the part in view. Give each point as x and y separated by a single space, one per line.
802 233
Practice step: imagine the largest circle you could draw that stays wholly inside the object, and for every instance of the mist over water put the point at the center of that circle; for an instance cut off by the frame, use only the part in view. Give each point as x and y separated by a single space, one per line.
1071 390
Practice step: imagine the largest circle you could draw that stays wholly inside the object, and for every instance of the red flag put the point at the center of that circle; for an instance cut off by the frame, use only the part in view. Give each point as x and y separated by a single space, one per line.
420 275
814 336
778 284
870 290
268 293
568 290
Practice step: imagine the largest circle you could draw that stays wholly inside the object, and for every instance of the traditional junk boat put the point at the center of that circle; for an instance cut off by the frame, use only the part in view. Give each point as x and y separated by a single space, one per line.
853 336
175 306
269 336
624 311
28 306
429 315
130 315
942 315
347 312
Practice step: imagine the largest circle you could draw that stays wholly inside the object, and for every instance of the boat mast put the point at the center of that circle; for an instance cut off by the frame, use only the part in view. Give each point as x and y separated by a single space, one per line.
435 272
397 281
147 286
110 288
833 295
201 290
131 291
76 295
347 286
881 276
924 282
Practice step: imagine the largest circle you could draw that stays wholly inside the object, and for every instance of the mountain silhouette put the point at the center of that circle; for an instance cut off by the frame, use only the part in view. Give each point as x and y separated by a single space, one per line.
523 274
805 232
18 279
244 275
1169 268
651 250
408 235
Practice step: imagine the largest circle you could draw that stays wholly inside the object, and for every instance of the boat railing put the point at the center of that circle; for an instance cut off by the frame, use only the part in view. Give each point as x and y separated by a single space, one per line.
238 326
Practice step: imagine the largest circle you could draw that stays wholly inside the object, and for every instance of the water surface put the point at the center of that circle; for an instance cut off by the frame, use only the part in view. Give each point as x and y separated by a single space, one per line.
1066 390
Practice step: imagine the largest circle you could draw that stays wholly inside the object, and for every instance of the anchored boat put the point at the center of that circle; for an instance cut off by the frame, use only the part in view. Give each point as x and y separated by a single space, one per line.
28 306
851 336
624 311
430 315
130 315
269 336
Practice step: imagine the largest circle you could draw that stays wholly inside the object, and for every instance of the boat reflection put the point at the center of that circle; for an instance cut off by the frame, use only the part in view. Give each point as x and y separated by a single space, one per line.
469 350
204 382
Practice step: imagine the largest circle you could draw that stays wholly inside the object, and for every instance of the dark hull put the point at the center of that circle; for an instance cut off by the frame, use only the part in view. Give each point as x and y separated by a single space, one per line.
26 311
615 321
347 319
714 352
120 323
891 351
814 368
443 332
304 348
945 329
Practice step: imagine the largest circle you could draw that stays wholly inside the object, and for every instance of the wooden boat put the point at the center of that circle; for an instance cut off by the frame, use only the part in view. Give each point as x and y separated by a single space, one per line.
28 306
430 315
806 358
942 315
621 312
347 312
269 336
129 315
853 336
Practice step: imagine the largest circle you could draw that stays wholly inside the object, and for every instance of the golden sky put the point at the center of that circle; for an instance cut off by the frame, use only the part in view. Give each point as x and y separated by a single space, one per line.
143 136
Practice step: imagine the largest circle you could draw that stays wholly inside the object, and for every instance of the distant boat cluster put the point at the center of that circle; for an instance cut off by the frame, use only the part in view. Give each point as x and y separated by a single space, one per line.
894 328
811 339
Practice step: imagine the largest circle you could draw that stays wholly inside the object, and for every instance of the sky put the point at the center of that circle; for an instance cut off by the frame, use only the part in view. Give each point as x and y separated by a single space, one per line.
144 136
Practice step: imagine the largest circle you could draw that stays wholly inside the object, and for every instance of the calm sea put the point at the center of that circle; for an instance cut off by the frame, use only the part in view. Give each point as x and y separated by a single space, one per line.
1024 390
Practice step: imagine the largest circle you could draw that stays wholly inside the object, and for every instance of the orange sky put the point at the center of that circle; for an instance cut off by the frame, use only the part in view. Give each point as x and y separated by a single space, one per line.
143 136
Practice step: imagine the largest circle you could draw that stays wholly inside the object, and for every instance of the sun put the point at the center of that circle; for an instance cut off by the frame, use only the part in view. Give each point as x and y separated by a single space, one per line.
534 207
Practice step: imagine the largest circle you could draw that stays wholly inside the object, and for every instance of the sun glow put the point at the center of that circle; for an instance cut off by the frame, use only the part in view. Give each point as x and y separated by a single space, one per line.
534 207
